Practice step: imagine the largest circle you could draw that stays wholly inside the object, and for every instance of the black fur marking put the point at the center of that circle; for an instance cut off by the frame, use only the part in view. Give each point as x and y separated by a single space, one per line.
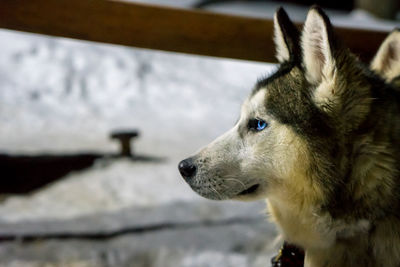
282 70
290 34
290 101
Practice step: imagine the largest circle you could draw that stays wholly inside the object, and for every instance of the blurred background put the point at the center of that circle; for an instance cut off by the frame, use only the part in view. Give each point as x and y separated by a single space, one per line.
68 196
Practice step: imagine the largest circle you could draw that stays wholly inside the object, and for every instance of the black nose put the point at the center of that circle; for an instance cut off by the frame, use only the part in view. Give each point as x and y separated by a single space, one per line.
187 168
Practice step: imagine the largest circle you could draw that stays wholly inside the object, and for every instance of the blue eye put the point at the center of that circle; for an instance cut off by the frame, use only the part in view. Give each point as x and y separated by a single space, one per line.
261 125
257 125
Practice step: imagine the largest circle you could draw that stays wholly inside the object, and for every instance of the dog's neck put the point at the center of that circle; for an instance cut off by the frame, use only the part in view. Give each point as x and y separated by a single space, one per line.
372 179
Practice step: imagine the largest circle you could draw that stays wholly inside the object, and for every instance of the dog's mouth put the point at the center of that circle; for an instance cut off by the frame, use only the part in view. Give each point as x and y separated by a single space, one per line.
249 190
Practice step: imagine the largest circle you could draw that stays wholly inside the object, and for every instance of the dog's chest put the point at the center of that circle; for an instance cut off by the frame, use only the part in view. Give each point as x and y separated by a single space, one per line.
301 228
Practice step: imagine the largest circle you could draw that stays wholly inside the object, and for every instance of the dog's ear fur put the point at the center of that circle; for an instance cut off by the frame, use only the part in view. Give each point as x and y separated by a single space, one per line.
387 60
317 44
286 37
333 72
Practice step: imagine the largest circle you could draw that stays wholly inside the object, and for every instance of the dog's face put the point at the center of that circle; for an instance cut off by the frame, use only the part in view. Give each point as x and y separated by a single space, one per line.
292 128
246 160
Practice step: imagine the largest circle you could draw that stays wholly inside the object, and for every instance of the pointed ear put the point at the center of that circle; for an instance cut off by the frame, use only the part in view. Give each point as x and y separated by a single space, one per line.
387 60
317 46
286 37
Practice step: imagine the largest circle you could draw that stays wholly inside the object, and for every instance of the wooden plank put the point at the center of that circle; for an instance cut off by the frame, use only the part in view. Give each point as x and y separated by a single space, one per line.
21 174
169 29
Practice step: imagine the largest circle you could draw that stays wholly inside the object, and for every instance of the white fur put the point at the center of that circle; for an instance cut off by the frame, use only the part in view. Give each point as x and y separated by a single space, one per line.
282 51
387 60
318 60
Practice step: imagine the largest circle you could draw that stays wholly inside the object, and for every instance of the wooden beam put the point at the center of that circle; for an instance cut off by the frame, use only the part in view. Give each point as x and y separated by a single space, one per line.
169 29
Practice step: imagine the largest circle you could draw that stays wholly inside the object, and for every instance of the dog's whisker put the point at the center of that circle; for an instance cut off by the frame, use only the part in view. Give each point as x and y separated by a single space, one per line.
216 191
238 181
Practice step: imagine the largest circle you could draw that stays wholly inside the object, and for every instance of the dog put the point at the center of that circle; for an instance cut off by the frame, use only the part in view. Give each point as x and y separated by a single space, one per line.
319 139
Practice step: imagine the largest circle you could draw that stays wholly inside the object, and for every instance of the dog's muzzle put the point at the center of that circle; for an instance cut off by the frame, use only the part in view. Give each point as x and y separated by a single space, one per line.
187 169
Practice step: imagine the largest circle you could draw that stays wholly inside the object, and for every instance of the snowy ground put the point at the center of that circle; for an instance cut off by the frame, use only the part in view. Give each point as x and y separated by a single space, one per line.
64 96
266 9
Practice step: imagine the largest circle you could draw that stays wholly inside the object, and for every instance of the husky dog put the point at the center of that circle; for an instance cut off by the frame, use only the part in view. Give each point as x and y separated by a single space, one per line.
320 140
387 60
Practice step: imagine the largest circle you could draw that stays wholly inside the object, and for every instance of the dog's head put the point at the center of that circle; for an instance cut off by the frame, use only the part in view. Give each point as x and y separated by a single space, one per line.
293 127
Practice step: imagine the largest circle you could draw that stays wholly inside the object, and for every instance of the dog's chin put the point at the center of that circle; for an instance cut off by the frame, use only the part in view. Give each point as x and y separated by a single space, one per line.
211 195
254 192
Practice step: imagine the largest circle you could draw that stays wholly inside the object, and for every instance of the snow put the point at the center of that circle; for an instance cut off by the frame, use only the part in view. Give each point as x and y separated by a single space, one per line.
83 90
266 9
64 96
